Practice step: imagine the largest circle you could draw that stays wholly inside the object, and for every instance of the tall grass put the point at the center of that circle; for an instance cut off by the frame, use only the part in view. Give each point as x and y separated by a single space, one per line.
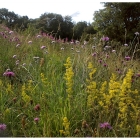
67 89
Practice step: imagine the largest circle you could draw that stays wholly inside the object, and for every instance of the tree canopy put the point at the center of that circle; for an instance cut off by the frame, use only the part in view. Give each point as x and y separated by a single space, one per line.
117 19
51 23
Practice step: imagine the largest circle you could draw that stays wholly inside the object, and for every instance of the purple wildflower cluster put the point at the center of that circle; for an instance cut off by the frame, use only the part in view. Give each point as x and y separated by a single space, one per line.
9 74
37 107
105 125
127 58
105 39
36 120
43 47
54 40
2 126
9 35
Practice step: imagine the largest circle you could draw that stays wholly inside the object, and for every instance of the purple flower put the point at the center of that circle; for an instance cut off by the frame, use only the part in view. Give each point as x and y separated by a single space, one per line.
94 54
11 32
119 71
105 38
71 42
42 47
66 39
100 60
105 65
127 58
105 125
9 74
2 126
138 74
107 55
37 107
36 119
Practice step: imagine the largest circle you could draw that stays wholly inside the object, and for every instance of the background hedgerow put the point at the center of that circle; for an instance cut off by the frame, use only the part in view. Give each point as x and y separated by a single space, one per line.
51 88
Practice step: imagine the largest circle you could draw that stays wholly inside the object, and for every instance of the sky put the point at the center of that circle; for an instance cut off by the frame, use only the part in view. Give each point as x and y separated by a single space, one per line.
79 10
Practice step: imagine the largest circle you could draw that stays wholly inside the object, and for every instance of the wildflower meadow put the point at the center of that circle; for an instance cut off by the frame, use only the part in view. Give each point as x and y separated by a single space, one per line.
55 88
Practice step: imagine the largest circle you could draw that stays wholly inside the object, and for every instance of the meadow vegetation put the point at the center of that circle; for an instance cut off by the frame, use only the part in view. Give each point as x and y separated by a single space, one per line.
55 88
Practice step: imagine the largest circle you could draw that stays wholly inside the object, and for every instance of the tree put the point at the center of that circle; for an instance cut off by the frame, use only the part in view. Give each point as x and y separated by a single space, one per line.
90 29
79 29
58 26
67 28
50 22
117 18
9 18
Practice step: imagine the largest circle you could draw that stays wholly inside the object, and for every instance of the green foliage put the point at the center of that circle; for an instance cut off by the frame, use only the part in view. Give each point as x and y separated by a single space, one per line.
64 89
49 23
116 18
79 29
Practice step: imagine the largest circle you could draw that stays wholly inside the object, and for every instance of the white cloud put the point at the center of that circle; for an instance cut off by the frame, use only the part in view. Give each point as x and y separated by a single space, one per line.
75 14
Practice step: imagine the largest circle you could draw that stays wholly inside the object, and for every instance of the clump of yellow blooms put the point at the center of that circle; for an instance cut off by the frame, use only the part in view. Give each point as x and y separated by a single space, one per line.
92 70
69 77
113 92
9 88
116 94
6 114
29 86
43 79
127 104
102 94
91 86
138 130
66 124
114 86
26 98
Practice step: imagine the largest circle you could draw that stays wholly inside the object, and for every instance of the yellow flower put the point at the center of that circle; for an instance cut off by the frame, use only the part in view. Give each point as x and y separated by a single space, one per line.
61 131
68 63
9 88
25 97
101 103
43 79
128 105
137 130
69 77
91 86
66 125
92 70
29 87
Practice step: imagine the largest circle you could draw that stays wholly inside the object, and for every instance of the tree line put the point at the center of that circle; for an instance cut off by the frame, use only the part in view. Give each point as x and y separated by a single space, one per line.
51 23
118 21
